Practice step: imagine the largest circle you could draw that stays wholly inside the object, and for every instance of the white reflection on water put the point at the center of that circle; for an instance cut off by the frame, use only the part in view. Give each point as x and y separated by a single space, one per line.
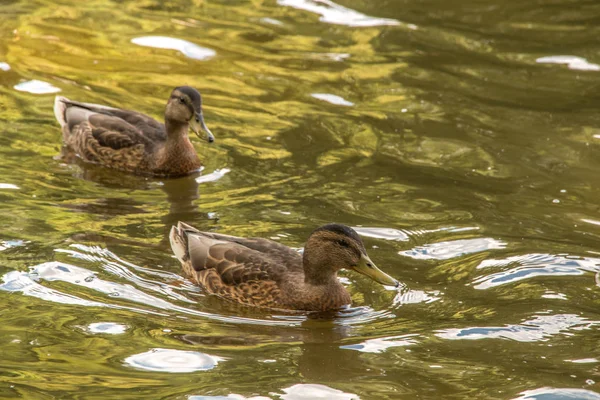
7 244
36 87
532 265
333 99
415 297
404 235
572 62
451 249
4 66
232 396
173 361
213 176
111 328
8 186
29 284
304 391
584 361
537 329
26 283
188 49
547 393
382 233
310 391
379 345
333 13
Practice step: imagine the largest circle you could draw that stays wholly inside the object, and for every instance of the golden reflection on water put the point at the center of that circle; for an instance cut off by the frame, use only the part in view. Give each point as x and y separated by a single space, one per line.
460 139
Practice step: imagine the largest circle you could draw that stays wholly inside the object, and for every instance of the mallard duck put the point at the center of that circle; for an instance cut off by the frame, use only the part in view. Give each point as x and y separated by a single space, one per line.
262 273
134 142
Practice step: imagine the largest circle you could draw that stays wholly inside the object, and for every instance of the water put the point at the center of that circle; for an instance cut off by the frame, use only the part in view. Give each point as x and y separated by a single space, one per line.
461 139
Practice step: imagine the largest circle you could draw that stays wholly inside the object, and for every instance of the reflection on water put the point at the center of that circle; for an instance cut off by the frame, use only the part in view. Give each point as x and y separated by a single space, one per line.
188 49
36 87
572 62
548 393
456 248
312 391
379 345
174 361
453 135
294 392
333 13
518 268
537 329
111 328
333 99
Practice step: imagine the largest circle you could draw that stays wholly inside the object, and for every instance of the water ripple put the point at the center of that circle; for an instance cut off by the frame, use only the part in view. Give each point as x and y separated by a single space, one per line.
173 361
547 393
333 13
110 328
451 249
537 329
213 176
333 99
309 391
36 87
25 282
301 391
533 265
572 62
188 49
379 345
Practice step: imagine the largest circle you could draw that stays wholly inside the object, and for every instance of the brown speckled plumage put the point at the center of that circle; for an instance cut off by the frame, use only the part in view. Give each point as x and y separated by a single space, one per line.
131 141
262 273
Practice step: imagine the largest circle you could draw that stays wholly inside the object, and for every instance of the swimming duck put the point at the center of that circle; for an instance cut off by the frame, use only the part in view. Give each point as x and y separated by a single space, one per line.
262 273
132 141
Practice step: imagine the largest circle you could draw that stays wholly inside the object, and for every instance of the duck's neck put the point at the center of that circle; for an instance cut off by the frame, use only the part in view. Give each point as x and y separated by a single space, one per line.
178 150
317 274
177 132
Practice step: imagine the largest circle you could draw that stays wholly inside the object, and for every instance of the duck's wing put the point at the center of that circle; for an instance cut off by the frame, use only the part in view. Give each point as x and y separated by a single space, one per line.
143 124
233 267
98 135
270 249
235 259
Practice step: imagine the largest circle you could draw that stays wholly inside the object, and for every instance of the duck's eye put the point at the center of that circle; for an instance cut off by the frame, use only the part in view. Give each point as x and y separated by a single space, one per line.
182 100
343 243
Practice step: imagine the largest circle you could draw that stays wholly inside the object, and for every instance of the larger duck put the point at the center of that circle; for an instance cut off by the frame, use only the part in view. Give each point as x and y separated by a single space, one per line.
132 141
262 273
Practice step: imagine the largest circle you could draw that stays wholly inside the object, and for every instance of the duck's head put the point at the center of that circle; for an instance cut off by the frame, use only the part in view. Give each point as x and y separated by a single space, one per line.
333 247
185 106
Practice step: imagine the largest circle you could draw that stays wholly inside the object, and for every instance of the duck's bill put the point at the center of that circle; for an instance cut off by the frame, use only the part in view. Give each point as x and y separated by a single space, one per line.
198 124
367 267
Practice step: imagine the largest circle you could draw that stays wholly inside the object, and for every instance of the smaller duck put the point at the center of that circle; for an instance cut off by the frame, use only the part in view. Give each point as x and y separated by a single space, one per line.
262 273
132 141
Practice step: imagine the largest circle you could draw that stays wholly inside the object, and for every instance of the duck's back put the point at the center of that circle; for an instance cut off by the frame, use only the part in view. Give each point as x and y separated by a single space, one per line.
247 271
116 138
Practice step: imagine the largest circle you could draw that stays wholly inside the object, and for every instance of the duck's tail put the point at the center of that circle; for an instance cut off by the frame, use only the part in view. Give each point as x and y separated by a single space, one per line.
179 241
60 108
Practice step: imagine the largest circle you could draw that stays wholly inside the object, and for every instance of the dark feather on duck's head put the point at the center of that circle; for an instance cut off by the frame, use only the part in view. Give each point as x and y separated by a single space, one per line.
185 106
342 230
191 95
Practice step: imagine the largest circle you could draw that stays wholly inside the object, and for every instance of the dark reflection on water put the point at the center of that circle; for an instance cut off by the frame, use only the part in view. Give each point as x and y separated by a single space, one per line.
460 139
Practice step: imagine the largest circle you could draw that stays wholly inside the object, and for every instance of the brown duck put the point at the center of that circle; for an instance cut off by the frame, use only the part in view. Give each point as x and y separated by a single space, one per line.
262 273
134 142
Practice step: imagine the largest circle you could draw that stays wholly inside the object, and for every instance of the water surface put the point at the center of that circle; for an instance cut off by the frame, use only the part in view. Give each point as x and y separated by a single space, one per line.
461 139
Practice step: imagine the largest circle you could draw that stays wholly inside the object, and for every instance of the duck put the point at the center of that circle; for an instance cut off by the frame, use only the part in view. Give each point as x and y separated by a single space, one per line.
134 142
262 273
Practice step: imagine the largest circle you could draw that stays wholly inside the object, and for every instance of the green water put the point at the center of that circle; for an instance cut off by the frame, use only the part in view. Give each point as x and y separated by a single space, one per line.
468 160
